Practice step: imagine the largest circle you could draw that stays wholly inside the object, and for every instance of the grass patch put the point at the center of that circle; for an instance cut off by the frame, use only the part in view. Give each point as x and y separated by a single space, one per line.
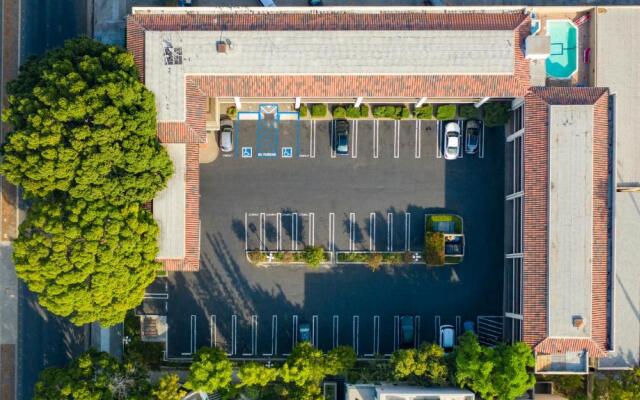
469 111
446 112
433 219
424 112
434 248
311 255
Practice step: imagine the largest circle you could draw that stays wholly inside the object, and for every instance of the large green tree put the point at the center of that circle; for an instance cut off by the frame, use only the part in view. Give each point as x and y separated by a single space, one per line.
424 365
93 376
168 388
83 124
255 378
87 261
510 375
211 371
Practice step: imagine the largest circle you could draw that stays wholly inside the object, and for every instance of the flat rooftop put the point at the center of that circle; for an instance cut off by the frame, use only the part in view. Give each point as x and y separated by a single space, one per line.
169 206
170 55
571 218
618 67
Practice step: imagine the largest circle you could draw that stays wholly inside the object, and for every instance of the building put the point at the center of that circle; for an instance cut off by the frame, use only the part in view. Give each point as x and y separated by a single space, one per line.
570 287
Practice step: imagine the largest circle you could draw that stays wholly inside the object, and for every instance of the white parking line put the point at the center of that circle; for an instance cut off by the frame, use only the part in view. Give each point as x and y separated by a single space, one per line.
156 296
336 331
294 231
416 337
389 231
279 232
461 146
439 134
407 231
352 233
295 331
458 325
234 334
332 219
312 228
418 141
372 231
193 334
396 139
376 130
314 331
354 144
356 334
436 325
262 230
312 141
274 334
376 334
246 233
481 153
213 332
333 139
396 332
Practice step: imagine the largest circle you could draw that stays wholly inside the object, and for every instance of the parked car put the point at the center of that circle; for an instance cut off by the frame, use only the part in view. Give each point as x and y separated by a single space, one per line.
304 332
407 330
472 137
267 3
314 3
342 136
451 140
226 135
447 337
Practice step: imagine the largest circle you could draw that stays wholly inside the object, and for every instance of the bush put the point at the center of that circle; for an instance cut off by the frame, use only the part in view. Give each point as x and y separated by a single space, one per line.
375 259
434 248
364 111
148 354
232 111
313 255
495 114
424 112
339 112
445 112
468 111
303 111
353 112
256 256
407 257
319 110
393 112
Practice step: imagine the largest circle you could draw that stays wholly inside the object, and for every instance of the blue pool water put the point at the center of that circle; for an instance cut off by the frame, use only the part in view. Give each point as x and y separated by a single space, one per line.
563 61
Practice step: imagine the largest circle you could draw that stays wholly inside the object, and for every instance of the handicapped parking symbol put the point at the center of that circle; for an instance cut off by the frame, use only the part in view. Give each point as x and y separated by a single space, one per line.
247 152
287 152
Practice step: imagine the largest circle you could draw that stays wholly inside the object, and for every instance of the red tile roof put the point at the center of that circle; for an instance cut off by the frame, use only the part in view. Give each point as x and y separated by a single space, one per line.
535 224
563 345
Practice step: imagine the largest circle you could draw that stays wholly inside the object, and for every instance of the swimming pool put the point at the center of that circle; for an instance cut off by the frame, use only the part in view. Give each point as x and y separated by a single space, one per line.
563 60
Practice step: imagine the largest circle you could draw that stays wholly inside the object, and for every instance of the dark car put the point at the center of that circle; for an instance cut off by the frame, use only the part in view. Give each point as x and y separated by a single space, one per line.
314 3
304 332
472 137
407 330
342 136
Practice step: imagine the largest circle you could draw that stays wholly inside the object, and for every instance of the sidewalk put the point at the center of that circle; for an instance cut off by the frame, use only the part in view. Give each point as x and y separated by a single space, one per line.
8 324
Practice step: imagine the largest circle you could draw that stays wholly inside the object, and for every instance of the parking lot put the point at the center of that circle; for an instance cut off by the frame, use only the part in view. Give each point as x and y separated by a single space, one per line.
374 198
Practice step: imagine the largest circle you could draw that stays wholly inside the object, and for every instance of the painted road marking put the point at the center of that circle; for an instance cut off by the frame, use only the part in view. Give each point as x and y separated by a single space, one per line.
436 324
461 144
396 332
332 221
407 231
213 332
287 152
458 325
234 334
314 331
247 152
333 139
246 233
312 142
354 141
389 231
279 231
295 331
274 334
396 139
335 327
376 127
262 230
312 228
481 152
193 334
372 231
156 296
294 231
355 343
254 336
352 232
439 134
416 337
376 334
418 140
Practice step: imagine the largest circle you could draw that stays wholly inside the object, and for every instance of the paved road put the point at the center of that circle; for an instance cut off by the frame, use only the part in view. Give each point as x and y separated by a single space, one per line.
45 340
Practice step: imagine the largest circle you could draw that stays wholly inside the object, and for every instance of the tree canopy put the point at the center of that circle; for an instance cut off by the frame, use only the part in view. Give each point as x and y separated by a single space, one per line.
91 376
211 371
83 124
87 261
417 365
168 388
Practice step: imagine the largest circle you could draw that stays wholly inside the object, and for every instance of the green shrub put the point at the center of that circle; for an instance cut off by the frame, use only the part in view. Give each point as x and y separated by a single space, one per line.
374 261
393 112
445 112
495 114
256 256
313 255
434 248
468 111
339 112
232 111
353 112
364 111
424 112
319 110
407 257
303 111
148 354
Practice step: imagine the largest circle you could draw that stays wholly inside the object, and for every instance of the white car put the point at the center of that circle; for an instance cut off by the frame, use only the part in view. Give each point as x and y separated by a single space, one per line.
447 337
226 135
267 3
451 140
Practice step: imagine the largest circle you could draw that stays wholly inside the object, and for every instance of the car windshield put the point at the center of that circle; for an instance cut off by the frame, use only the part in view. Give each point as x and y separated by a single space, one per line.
473 132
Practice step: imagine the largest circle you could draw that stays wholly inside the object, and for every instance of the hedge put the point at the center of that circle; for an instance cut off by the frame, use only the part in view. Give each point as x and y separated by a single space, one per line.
495 114
319 110
424 112
468 111
394 112
232 111
303 111
434 248
445 112
311 255
339 112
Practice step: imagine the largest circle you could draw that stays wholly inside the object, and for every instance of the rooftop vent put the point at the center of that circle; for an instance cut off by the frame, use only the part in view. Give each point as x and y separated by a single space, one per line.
578 322
224 46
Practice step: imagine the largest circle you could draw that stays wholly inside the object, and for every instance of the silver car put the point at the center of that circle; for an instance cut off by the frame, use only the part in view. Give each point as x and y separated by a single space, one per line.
451 140
226 135
447 337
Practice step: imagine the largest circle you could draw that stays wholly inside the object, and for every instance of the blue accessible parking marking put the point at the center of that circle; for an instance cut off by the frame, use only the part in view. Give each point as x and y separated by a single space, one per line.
287 152
247 152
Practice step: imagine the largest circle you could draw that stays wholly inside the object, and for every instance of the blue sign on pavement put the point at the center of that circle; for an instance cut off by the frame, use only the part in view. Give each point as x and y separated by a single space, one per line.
247 152
287 152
